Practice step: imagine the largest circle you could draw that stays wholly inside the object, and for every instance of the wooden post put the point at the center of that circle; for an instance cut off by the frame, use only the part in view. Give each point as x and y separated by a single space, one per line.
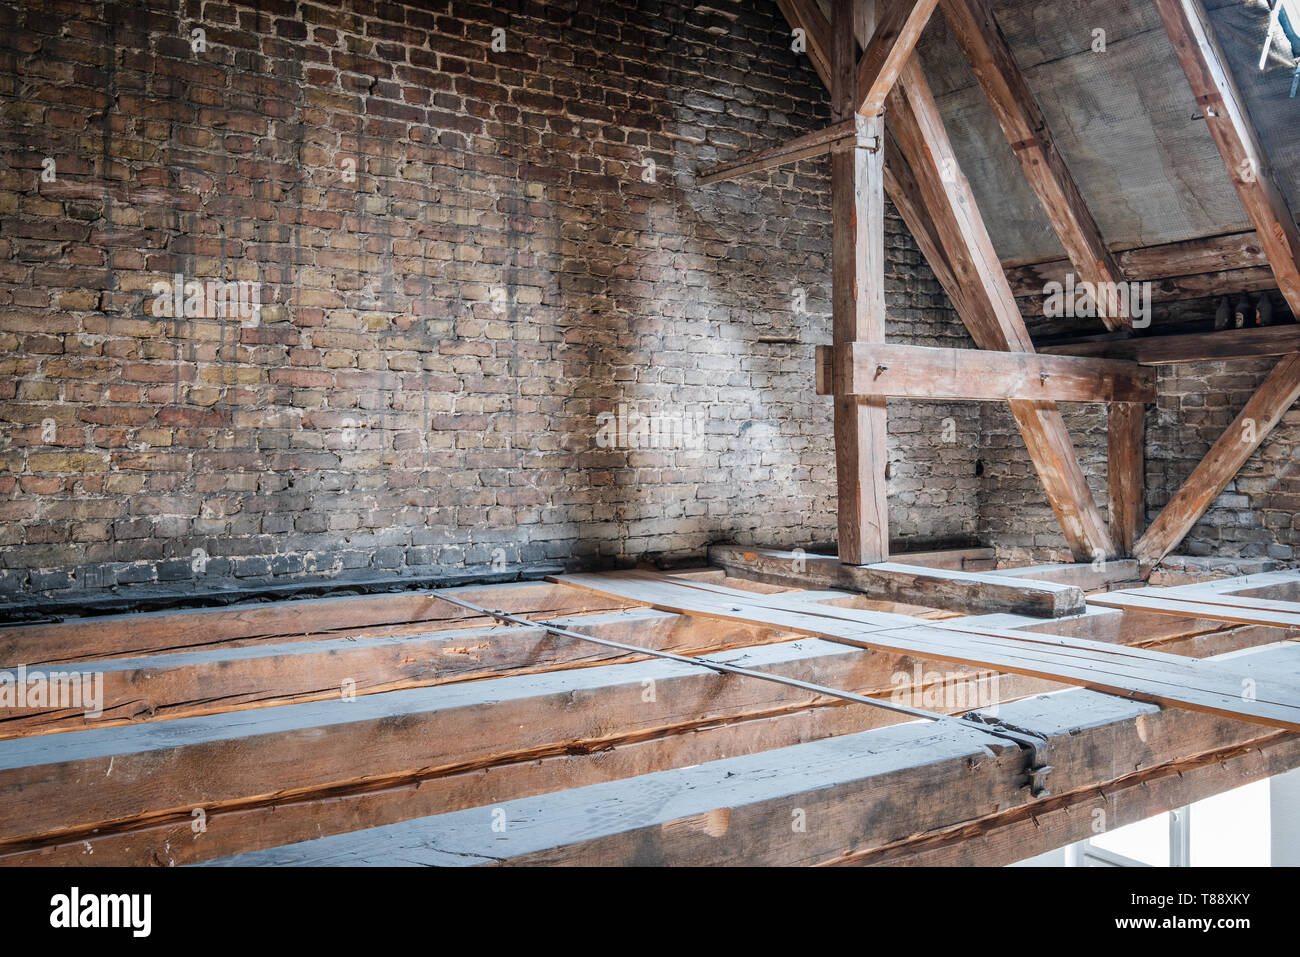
1125 475
858 302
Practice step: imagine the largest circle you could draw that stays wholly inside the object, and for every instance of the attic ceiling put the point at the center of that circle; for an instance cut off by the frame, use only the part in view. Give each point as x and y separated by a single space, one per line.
1124 120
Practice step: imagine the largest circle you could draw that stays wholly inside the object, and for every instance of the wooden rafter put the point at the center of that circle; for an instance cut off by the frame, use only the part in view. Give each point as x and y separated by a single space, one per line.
1171 266
888 51
1264 410
1026 129
1229 122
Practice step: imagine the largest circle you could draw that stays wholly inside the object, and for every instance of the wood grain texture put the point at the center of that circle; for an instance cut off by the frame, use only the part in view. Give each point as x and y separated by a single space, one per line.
858 306
1126 472
891 44
1197 347
920 372
803 147
895 581
1135 673
857 793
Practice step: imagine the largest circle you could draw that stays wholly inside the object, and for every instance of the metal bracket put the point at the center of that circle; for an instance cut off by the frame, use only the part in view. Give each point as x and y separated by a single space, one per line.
1035 744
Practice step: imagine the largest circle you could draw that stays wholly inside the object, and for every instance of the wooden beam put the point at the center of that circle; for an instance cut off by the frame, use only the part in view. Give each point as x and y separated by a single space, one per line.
893 581
1194 347
858 305
1025 127
990 311
1234 255
1041 425
121 636
223 677
1125 472
919 372
1084 575
1239 609
958 559
1229 122
1143 674
1005 837
1264 410
803 147
864 792
807 16
896 34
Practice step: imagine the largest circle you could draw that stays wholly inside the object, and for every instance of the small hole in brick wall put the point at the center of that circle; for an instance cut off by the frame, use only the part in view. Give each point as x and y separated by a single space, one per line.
979 467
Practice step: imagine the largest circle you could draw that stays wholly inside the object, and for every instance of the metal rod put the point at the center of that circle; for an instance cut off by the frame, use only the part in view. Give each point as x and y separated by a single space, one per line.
1022 740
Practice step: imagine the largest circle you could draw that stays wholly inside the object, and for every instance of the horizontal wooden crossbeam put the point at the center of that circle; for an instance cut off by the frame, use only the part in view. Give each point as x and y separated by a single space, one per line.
918 372
894 581
1193 347
1171 267
800 148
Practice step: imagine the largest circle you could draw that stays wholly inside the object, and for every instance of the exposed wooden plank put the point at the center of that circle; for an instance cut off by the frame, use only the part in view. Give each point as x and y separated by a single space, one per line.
1229 122
1003 838
1033 301
896 32
920 372
807 16
858 306
987 307
1251 611
1126 472
1088 576
241 758
1143 674
803 147
1231 253
1025 127
1197 347
893 581
856 793
957 559
224 678
82 639
1264 410
170 840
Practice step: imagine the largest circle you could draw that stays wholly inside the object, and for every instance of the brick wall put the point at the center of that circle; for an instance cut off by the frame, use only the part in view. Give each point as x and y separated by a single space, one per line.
1257 516
464 257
